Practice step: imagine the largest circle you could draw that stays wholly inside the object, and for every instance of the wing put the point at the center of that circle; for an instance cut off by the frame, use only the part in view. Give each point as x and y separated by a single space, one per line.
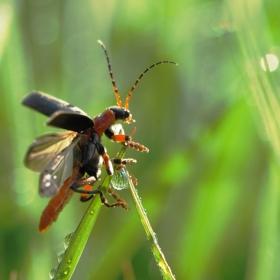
45 147
67 119
63 114
47 104
59 168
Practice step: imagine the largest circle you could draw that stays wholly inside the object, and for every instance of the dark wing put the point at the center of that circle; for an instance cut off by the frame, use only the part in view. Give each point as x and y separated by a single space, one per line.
45 147
59 168
54 108
70 120
47 104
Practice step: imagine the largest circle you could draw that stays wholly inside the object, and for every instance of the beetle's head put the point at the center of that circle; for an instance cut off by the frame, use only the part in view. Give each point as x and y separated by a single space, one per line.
122 114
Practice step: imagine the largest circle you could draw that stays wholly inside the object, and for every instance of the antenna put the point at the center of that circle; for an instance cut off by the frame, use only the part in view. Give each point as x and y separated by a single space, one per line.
143 73
119 102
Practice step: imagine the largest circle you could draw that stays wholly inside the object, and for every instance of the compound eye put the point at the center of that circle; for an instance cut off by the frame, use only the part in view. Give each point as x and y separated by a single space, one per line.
127 113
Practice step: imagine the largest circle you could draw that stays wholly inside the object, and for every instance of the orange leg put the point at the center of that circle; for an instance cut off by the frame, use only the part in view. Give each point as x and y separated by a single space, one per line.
120 138
85 197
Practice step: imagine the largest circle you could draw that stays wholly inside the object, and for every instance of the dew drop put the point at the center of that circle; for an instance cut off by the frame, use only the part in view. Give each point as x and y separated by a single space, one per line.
67 240
155 236
60 257
52 273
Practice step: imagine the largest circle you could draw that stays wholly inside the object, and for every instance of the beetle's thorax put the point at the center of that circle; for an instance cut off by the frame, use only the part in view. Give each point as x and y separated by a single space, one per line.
109 117
103 121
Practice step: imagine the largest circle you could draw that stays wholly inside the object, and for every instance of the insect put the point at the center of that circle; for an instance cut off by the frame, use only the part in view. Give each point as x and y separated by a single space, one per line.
71 161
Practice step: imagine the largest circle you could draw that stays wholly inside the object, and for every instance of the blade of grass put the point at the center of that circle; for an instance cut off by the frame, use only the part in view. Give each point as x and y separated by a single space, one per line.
78 239
264 90
264 249
156 250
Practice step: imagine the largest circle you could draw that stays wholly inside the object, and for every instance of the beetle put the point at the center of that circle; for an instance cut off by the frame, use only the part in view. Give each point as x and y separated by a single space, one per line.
71 161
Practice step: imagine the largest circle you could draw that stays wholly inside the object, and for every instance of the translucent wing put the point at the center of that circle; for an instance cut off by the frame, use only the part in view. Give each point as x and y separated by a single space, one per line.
45 147
59 168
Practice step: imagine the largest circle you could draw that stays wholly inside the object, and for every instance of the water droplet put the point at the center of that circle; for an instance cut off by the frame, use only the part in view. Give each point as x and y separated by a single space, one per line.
60 257
52 273
120 180
155 239
91 212
67 240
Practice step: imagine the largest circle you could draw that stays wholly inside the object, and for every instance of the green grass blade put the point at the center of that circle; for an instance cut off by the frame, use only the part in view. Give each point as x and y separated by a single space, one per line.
264 253
264 92
156 250
78 239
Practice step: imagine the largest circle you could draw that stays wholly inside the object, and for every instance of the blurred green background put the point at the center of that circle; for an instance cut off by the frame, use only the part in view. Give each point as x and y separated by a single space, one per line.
210 182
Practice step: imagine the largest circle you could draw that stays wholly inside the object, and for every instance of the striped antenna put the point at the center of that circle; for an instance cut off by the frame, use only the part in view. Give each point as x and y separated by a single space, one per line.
143 73
119 102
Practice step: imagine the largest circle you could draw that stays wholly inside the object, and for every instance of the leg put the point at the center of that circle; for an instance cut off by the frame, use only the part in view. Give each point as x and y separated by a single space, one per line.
133 179
84 196
121 164
106 159
124 161
116 134
87 192
120 202
137 146
108 162
90 192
